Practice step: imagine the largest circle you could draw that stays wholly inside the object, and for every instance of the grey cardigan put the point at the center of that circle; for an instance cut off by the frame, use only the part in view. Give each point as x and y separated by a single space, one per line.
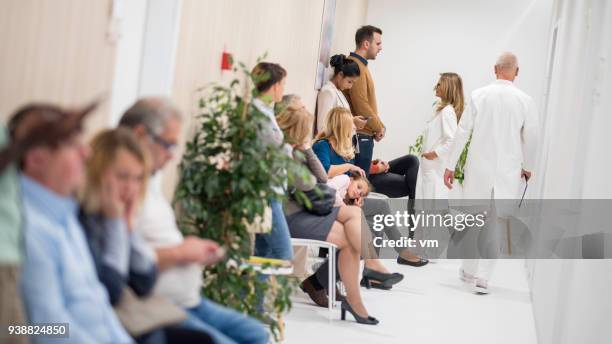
317 175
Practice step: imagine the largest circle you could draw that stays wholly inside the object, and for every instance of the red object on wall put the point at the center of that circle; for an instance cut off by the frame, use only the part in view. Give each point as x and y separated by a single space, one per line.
227 61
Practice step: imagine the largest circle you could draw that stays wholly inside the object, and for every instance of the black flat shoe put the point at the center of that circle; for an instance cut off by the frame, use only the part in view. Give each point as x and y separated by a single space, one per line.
421 262
344 307
374 279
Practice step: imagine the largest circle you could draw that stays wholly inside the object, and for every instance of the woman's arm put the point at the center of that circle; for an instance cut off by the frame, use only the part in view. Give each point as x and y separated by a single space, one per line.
305 183
336 170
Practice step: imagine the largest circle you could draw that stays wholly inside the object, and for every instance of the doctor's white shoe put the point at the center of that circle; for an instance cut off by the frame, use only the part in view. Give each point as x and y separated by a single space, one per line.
481 286
465 277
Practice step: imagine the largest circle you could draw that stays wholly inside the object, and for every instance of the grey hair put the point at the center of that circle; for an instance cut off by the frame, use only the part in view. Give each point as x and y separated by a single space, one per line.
151 112
507 60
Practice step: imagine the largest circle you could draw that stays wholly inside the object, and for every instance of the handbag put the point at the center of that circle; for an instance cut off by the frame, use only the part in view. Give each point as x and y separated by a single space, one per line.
140 315
322 198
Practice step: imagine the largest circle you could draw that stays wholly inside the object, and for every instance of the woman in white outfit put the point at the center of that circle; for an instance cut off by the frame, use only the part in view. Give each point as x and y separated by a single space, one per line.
439 134
432 194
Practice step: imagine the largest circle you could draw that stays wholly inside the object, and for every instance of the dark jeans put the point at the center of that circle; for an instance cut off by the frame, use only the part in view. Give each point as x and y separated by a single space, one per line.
366 148
401 179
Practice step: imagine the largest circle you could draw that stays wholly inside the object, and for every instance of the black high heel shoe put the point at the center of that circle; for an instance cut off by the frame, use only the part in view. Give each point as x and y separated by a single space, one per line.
345 306
374 279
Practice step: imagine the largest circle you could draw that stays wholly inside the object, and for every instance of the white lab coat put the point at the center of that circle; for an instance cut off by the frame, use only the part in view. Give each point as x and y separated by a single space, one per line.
438 137
504 122
329 97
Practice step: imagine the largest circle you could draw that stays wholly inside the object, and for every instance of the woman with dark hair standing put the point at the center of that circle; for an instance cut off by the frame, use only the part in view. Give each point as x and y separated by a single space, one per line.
346 71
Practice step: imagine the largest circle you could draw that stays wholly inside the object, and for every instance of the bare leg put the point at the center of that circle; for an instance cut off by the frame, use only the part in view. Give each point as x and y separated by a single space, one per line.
352 219
348 265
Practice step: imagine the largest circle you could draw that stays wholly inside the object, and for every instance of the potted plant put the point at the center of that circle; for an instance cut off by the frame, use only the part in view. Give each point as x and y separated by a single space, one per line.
226 178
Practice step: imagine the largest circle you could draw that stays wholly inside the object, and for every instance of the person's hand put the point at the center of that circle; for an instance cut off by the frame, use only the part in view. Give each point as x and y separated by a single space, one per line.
357 169
380 135
449 177
201 251
359 202
111 205
360 122
430 155
385 166
525 174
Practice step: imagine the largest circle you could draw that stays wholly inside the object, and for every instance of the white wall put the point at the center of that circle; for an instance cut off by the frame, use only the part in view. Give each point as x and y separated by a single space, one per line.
570 297
576 158
56 51
146 50
131 17
424 38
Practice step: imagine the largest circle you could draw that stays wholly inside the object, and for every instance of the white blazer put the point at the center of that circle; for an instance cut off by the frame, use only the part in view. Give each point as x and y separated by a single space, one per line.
437 137
504 122
328 98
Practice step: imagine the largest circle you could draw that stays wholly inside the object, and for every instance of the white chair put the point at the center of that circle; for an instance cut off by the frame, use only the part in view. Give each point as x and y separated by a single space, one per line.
331 288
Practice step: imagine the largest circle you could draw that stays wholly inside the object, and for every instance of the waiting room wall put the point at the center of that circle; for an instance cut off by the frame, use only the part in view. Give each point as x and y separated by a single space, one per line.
56 51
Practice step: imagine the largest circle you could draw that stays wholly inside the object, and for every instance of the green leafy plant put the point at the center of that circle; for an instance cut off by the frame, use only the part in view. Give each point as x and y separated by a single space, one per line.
227 177
417 147
460 168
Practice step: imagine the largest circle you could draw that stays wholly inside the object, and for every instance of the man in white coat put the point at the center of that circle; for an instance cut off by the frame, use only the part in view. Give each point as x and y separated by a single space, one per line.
503 122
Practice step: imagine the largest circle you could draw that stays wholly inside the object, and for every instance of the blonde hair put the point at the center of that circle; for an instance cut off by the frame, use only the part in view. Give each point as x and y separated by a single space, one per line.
104 150
338 131
294 120
451 90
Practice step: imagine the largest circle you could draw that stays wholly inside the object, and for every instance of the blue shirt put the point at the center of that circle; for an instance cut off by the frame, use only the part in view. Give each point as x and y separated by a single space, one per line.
328 156
59 282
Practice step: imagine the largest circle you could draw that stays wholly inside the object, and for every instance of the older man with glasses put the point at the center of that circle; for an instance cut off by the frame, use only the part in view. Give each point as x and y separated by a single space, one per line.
157 125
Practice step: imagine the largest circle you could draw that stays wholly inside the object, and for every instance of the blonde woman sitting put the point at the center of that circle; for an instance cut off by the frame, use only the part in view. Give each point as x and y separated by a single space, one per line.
341 227
335 150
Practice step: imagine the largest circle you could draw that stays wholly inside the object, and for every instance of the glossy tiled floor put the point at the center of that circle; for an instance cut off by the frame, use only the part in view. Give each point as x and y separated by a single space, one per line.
431 305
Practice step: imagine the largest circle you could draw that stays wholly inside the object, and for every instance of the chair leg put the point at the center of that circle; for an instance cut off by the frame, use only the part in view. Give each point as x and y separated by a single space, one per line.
331 290
334 274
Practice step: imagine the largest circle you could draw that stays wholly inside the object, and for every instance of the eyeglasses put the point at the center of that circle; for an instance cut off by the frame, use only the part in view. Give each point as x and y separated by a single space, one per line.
161 141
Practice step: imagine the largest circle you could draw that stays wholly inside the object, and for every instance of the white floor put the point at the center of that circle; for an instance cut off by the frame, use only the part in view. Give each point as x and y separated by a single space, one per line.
431 305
